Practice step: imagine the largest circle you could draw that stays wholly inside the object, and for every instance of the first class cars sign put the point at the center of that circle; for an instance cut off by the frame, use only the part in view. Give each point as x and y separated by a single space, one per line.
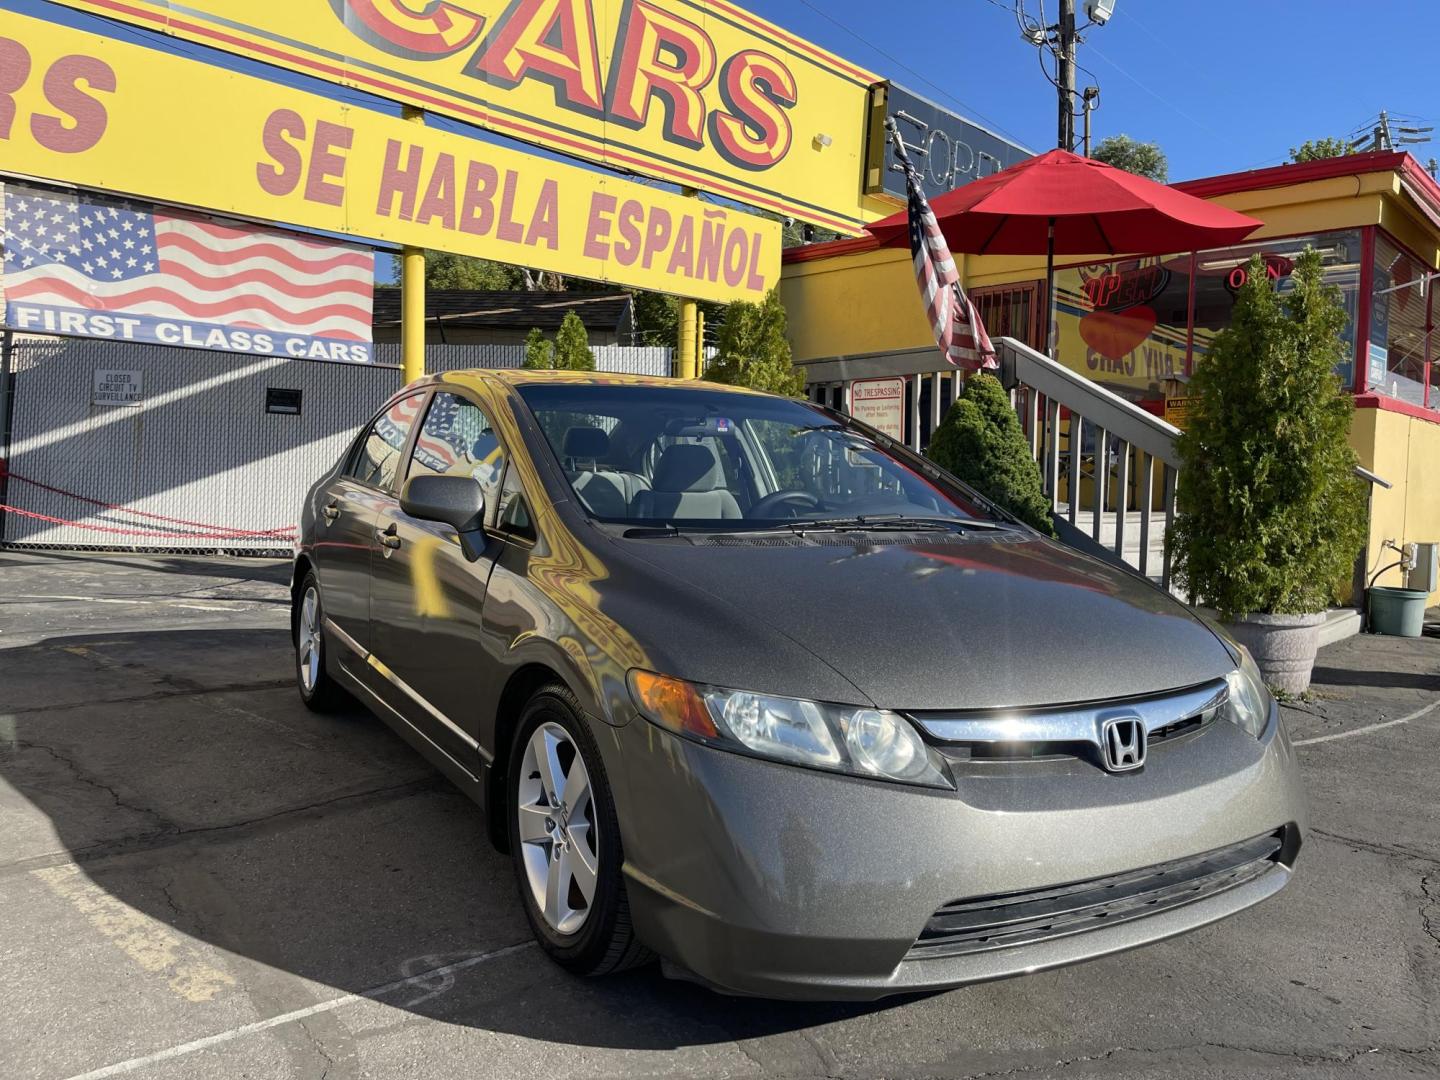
108 114
695 92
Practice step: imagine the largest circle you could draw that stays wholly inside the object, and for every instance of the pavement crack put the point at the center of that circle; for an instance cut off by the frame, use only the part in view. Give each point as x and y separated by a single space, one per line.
1430 907
1298 1055
1394 851
82 776
278 820
173 690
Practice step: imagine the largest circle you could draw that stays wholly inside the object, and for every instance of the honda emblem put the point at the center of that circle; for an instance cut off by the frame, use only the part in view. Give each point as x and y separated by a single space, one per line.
1122 739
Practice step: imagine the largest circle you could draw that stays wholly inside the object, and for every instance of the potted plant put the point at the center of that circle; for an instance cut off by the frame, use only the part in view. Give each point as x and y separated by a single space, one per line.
1269 512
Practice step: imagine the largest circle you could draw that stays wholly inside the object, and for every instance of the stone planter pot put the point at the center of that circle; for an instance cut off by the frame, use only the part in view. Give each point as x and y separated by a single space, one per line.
1283 646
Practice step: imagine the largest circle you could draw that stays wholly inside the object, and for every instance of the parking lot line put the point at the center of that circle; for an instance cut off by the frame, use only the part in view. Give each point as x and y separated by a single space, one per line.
1416 715
152 945
121 1067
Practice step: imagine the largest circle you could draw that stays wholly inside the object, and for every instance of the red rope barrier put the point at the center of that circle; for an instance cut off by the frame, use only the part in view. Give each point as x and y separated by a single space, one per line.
273 534
243 535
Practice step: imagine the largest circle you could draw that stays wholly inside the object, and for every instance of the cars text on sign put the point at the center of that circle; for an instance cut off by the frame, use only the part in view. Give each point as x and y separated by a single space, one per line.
694 92
107 114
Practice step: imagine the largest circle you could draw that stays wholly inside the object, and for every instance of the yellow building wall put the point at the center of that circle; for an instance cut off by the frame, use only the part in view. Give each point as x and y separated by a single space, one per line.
1405 451
863 303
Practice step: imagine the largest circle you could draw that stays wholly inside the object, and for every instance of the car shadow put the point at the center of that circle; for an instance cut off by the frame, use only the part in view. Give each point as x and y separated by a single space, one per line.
185 782
1414 680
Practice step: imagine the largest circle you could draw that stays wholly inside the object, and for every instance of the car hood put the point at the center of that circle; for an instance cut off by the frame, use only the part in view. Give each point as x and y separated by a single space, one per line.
951 621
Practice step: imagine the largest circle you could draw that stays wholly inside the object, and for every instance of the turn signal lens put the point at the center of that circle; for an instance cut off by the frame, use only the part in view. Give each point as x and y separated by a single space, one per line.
672 703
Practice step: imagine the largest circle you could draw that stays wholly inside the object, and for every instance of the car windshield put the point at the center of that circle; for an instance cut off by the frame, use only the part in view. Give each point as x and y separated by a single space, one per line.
711 458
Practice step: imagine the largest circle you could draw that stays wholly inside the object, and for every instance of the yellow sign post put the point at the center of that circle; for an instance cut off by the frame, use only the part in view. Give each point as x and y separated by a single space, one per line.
101 113
694 92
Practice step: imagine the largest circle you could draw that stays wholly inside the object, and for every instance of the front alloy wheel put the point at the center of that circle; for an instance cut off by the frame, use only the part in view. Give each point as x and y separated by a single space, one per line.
565 839
556 814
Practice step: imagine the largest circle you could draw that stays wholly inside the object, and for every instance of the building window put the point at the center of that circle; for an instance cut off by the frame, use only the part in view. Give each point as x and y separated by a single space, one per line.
1398 352
1126 323
1220 273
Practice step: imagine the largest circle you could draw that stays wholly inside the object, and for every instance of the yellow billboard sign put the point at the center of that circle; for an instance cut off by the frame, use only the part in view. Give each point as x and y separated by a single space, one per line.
107 114
695 92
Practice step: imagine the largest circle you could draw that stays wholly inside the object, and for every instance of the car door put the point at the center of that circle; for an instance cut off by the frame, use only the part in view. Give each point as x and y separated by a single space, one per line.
345 540
425 596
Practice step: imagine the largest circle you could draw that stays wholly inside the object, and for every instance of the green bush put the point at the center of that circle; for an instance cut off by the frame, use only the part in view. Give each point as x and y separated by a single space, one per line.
570 351
982 443
539 352
572 345
753 350
1270 514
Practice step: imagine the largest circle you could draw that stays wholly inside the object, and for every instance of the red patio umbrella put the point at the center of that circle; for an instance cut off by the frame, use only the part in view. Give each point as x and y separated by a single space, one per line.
1061 203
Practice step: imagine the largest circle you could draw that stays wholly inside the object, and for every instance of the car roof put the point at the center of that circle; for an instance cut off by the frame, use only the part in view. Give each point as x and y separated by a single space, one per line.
521 377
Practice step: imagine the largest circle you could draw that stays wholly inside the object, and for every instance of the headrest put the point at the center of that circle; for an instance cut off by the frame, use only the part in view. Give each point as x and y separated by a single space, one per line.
585 442
687 467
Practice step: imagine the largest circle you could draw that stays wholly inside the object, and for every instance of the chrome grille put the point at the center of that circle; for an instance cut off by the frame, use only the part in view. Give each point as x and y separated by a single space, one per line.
1067 731
1023 918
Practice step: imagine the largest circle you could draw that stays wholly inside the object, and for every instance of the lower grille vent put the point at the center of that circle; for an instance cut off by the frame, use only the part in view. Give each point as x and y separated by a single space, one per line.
1022 918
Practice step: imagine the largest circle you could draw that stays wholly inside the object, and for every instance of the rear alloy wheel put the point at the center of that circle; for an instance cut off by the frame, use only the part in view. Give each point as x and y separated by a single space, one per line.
565 841
318 690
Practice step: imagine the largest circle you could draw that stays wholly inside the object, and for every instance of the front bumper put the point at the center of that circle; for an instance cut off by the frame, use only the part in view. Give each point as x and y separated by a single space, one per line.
773 880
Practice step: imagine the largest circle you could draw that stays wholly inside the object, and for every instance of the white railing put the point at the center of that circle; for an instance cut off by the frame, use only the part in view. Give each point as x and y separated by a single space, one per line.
1104 461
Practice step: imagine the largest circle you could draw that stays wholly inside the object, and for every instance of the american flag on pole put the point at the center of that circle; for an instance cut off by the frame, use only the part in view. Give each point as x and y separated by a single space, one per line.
957 326
95 266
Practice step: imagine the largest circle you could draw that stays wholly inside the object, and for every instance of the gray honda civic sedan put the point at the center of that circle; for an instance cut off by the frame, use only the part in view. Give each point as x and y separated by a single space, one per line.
745 685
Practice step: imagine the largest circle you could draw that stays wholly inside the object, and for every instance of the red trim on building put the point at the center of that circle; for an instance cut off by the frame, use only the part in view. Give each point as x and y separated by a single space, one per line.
1364 301
1386 403
829 249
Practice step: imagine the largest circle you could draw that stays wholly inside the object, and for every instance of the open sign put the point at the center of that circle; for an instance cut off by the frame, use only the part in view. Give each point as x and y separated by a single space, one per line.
1276 267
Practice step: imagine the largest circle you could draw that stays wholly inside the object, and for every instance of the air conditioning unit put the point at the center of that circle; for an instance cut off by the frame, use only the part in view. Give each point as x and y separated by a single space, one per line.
1099 11
1426 574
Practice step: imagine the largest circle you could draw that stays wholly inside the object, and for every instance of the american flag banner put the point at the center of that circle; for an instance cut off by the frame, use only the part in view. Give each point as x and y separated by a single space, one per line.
94 266
957 326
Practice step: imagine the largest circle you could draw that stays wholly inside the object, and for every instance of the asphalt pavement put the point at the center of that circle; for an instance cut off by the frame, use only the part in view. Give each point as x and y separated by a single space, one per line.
200 879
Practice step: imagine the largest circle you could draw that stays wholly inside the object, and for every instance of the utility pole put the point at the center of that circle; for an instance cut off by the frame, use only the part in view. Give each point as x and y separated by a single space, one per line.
1065 73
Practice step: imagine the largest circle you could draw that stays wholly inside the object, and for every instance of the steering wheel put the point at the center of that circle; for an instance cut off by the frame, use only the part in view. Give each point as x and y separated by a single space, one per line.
790 496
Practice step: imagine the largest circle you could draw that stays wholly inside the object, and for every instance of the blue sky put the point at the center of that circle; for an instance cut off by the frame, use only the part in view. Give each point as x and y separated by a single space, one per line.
1222 85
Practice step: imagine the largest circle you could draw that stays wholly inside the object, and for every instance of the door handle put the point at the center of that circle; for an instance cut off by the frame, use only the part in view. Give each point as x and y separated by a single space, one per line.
388 537
331 512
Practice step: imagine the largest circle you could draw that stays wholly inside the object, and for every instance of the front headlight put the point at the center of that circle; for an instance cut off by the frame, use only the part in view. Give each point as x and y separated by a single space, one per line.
863 741
1247 706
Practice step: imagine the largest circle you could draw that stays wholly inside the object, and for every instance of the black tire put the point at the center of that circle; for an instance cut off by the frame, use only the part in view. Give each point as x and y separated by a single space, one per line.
606 941
323 694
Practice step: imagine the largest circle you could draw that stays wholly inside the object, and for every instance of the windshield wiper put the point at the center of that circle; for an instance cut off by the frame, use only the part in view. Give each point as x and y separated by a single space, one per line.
649 532
886 522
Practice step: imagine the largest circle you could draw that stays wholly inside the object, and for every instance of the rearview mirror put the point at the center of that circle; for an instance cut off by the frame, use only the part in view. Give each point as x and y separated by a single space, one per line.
456 501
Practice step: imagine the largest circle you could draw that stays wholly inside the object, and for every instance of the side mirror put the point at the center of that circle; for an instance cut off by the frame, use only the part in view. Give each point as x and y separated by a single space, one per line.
456 501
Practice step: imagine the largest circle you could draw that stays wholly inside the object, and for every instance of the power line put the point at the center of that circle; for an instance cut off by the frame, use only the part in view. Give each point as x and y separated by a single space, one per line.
1158 97
907 68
